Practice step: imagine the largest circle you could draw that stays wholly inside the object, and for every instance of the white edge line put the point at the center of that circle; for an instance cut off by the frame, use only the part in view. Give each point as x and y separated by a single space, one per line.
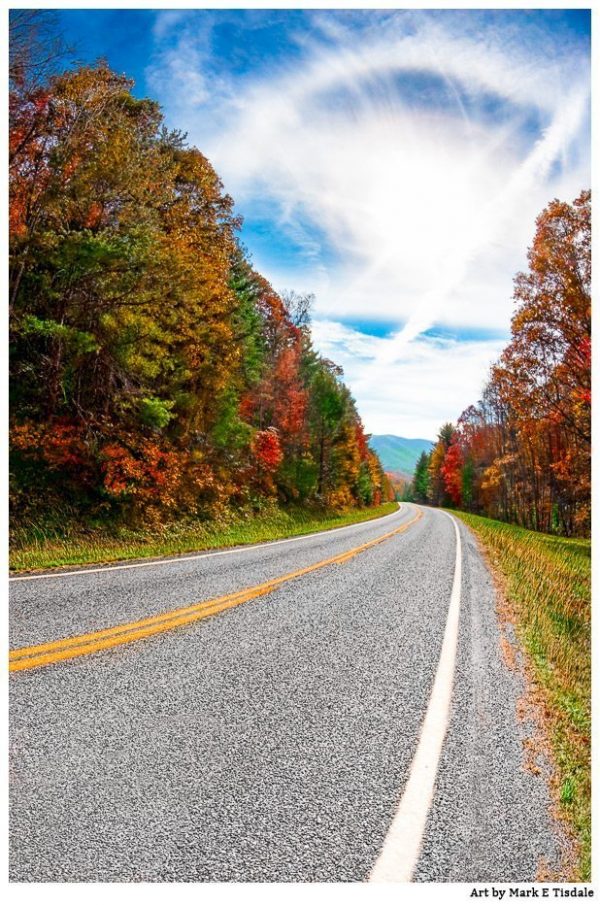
402 846
185 558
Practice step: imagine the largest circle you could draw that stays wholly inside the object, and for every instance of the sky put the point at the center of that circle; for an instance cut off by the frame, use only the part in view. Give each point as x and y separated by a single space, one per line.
390 162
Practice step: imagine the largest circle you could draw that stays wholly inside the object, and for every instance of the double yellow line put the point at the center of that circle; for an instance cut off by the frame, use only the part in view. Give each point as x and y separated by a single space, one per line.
79 646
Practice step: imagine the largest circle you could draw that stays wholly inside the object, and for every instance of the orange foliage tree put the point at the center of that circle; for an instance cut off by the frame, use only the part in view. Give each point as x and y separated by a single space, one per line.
523 454
153 371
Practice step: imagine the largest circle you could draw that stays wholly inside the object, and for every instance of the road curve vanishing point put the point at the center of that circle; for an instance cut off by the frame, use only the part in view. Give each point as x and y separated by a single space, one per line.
351 723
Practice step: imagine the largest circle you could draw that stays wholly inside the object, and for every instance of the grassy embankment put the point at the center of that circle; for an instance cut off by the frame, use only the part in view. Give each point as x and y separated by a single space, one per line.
546 582
38 548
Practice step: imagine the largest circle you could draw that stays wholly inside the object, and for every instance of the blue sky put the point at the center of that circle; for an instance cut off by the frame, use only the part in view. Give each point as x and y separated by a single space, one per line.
390 162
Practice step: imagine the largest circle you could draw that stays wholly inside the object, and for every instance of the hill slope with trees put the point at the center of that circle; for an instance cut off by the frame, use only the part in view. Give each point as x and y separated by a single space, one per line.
522 454
399 454
154 372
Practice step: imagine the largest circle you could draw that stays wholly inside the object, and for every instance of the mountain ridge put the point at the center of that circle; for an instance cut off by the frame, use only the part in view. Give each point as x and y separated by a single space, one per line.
399 454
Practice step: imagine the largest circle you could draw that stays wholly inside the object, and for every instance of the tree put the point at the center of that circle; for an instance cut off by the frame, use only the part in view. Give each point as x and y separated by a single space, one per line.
421 478
451 472
523 453
437 489
153 370
36 48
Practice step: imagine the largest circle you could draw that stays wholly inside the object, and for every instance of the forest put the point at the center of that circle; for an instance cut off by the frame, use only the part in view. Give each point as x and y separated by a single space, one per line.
154 373
522 454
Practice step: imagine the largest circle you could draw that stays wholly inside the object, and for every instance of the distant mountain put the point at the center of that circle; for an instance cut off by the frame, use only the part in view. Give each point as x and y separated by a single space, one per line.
399 453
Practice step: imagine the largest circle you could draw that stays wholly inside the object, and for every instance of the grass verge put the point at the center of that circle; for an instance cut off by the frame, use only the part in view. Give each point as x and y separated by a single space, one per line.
39 550
547 584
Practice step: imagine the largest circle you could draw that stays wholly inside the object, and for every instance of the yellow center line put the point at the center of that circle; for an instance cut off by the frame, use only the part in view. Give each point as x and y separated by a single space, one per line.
78 646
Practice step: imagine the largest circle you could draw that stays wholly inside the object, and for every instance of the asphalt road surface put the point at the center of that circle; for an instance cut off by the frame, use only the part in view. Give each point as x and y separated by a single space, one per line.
301 735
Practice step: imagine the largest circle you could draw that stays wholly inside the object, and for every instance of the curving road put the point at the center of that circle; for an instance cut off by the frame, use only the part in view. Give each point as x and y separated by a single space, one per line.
297 733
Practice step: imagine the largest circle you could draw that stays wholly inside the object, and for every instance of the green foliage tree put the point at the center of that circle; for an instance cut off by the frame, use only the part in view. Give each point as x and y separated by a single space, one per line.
421 479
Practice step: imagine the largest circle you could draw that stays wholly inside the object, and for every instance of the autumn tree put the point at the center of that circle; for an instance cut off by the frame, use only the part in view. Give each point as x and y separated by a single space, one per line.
523 454
437 489
451 472
153 370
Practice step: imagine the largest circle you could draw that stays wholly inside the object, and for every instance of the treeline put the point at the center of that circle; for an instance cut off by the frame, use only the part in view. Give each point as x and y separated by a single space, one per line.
523 453
153 371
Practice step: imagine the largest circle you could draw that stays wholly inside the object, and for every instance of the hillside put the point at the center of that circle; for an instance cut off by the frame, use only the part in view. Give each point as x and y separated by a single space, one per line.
399 454
155 374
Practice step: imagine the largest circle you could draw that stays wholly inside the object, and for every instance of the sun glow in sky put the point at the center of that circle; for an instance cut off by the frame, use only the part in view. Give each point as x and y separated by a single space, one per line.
390 162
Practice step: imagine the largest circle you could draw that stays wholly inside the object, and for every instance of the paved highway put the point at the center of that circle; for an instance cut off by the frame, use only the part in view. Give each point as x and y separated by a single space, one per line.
339 711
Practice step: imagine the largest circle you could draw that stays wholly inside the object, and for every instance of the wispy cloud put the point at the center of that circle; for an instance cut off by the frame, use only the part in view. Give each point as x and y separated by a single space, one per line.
406 159
432 382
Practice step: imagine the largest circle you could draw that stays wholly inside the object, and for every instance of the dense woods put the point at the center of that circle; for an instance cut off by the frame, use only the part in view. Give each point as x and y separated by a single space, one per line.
523 453
153 371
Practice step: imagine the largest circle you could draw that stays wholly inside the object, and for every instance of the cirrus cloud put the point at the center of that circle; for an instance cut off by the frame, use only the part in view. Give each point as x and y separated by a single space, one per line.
404 158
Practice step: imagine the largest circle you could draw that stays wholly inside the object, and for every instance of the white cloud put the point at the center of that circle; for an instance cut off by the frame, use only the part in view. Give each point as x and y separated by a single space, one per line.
166 20
425 209
183 63
435 380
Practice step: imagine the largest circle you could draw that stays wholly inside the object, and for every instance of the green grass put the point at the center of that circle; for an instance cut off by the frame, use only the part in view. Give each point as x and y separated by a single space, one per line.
36 548
548 585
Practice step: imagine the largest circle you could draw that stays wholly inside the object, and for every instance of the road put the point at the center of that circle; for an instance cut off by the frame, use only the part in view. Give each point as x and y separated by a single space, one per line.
300 735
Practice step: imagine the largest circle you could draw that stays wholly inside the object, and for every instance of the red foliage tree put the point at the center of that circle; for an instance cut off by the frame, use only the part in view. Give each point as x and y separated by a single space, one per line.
451 472
267 450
